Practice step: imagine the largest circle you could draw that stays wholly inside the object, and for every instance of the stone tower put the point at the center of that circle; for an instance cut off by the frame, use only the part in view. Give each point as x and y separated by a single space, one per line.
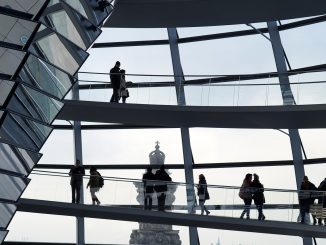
155 234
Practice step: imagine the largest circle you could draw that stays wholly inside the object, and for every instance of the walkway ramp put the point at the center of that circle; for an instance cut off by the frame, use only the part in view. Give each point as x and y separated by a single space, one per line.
271 117
192 13
139 215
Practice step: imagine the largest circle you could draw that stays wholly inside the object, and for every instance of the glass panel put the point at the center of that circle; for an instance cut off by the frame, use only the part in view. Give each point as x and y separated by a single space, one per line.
46 77
1 113
5 88
72 25
27 6
3 235
46 45
11 187
16 159
90 9
10 60
14 30
6 211
22 131
34 104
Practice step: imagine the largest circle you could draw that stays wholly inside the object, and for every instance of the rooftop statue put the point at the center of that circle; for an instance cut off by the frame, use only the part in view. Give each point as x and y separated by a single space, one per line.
157 157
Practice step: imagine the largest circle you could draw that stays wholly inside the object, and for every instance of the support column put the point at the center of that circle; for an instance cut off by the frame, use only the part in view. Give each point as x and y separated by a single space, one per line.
288 99
186 147
80 225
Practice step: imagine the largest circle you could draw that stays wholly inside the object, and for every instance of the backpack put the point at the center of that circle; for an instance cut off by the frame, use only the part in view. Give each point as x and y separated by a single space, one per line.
101 181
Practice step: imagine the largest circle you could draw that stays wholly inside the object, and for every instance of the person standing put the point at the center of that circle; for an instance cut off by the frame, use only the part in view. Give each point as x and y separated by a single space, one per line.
246 195
203 194
148 181
161 177
115 82
123 92
305 198
258 196
76 172
322 198
94 184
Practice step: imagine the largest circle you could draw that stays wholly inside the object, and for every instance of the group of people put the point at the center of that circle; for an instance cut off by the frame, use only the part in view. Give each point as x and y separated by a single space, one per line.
155 182
307 196
254 190
251 190
119 84
95 182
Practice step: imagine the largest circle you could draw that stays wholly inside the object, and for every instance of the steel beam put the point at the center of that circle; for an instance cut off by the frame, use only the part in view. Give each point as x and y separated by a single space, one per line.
288 99
186 147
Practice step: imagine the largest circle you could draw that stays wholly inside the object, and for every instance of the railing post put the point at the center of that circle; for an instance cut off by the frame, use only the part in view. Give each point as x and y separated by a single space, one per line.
186 147
288 99
80 225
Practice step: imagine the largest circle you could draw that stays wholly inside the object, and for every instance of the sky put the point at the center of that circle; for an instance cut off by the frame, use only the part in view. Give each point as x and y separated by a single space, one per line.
304 46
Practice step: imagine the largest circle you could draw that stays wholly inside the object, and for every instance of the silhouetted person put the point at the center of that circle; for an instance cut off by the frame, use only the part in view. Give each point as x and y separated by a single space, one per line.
258 196
148 181
76 172
306 198
115 82
322 198
161 187
123 92
94 184
246 195
203 194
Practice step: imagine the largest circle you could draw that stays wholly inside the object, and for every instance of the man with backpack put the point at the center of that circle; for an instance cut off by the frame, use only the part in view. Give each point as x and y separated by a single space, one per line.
95 182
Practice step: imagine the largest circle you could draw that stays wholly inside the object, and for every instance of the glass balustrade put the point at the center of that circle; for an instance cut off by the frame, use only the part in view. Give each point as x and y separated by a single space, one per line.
224 201
307 88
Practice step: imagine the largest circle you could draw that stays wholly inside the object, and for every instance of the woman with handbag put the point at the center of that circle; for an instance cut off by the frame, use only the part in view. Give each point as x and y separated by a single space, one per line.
203 194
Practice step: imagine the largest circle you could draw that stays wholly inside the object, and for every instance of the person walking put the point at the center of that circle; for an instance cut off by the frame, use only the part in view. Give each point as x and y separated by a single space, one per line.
123 92
76 173
258 196
148 181
322 198
203 194
306 198
115 82
94 184
246 195
161 177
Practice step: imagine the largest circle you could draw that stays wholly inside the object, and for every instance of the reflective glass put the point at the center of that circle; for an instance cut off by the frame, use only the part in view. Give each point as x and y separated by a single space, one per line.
72 25
3 235
5 88
46 45
16 159
46 77
34 104
1 113
6 211
14 30
11 187
10 60
27 6
22 131
90 9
